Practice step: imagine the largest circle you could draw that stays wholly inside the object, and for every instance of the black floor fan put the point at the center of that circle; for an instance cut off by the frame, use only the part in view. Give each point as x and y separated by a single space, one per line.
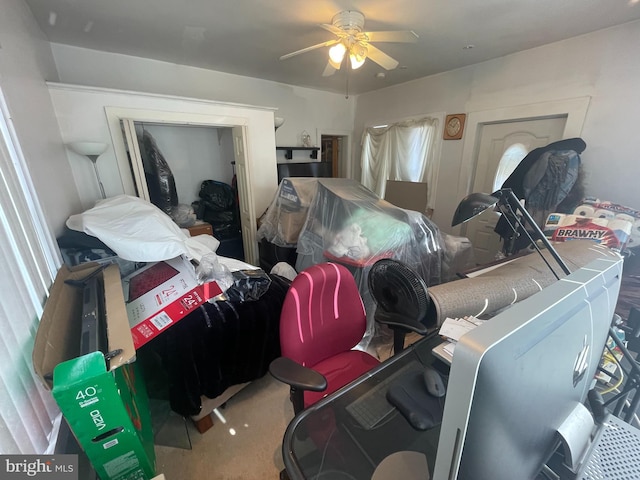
401 297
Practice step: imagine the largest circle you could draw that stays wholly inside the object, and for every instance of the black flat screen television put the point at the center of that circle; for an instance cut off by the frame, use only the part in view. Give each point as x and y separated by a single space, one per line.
304 169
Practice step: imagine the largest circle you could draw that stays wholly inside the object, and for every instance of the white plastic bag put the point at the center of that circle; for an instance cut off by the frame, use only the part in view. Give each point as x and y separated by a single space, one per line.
210 269
139 231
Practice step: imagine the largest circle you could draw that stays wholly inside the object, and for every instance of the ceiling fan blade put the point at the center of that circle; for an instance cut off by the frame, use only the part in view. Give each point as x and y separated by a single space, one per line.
381 58
308 49
399 36
330 69
333 29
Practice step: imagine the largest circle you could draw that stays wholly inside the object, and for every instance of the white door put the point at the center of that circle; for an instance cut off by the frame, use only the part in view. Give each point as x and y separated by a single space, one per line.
498 140
247 213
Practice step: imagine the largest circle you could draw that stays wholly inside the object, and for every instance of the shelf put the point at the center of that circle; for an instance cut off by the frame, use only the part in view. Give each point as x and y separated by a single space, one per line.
289 151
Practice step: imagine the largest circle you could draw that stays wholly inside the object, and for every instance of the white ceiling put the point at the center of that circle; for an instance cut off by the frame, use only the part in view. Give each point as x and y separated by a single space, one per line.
247 37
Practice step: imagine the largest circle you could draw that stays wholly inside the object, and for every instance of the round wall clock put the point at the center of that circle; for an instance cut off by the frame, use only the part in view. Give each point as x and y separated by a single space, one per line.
454 126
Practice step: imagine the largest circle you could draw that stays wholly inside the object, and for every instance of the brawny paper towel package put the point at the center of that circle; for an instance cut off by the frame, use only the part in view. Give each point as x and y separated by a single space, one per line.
611 232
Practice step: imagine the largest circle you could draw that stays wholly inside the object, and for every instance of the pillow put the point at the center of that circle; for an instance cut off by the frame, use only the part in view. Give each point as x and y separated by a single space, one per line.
138 231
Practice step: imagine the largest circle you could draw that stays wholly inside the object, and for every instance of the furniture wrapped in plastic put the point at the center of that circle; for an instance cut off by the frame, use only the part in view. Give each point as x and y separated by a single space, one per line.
458 256
340 220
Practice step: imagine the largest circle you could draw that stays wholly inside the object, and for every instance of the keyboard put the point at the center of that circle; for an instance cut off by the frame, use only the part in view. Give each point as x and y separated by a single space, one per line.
372 407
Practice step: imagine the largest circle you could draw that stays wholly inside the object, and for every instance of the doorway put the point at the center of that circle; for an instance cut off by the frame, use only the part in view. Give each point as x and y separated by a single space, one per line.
334 149
129 159
490 133
193 166
330 149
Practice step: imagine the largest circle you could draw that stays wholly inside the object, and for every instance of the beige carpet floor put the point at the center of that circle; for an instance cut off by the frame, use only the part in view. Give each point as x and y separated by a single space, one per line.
247 444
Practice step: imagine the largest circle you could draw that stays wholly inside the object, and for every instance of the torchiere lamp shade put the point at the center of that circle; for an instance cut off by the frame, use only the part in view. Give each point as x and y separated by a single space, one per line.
472 205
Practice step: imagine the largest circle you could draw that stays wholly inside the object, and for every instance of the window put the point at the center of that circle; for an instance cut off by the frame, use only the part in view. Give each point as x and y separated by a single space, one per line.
511 158
29 262
401 151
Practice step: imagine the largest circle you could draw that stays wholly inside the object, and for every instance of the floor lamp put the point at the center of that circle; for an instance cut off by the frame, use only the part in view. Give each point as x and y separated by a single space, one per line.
505 200
91 150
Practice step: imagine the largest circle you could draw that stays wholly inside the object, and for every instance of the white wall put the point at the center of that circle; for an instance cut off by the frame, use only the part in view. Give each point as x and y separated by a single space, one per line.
81 116
603 65
303 109
25 63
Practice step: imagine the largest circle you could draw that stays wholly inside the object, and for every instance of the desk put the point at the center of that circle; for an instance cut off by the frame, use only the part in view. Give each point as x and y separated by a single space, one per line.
325 441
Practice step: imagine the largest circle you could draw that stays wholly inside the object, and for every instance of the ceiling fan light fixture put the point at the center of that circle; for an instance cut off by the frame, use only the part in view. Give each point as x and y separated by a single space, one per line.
334 65
358 55
336 53
349 21
350 39
356 61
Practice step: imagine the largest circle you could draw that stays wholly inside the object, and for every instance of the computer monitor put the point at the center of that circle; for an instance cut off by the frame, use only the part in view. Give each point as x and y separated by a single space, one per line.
515 379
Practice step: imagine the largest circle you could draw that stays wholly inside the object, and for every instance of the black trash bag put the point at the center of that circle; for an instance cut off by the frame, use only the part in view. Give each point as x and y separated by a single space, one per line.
218 196
217 218
248 285
218 206
160 180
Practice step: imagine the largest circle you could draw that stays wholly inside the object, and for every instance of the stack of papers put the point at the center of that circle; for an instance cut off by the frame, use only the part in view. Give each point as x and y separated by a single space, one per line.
452 329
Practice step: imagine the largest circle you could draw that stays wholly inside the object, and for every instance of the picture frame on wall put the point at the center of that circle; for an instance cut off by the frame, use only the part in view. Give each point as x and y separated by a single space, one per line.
454 126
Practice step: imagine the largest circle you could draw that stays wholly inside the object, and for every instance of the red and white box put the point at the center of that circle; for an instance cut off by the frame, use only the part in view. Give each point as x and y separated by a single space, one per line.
162 293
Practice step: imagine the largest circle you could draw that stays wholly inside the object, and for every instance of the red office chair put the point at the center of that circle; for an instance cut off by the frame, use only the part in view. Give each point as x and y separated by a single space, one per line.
322 319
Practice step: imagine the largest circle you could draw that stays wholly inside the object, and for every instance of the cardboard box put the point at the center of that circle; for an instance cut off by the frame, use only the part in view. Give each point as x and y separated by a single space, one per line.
200 228
160 294
291 224
105 403
296 193
407 195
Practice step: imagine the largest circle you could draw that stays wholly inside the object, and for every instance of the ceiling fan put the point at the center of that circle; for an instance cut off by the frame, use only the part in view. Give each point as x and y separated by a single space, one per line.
351 42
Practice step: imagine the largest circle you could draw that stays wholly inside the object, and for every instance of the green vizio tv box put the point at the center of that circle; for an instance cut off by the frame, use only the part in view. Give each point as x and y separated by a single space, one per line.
104 403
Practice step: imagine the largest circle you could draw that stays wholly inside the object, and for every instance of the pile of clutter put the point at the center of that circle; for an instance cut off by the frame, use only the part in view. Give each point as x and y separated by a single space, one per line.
610 224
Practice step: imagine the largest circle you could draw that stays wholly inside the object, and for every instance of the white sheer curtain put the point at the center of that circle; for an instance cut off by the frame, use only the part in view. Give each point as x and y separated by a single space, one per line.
28 264
401 151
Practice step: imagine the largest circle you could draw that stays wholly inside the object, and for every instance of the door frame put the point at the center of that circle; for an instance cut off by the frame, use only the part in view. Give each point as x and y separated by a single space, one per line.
498 138
238 124
574 108
345 152
336 153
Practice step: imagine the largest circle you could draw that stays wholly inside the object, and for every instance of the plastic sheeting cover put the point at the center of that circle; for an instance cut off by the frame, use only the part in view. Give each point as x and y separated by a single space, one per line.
341 220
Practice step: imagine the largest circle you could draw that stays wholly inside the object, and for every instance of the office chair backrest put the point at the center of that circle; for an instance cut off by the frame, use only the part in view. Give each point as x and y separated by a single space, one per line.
322 314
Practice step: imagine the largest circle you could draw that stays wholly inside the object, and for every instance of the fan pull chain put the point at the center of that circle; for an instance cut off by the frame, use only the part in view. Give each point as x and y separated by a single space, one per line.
347 87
